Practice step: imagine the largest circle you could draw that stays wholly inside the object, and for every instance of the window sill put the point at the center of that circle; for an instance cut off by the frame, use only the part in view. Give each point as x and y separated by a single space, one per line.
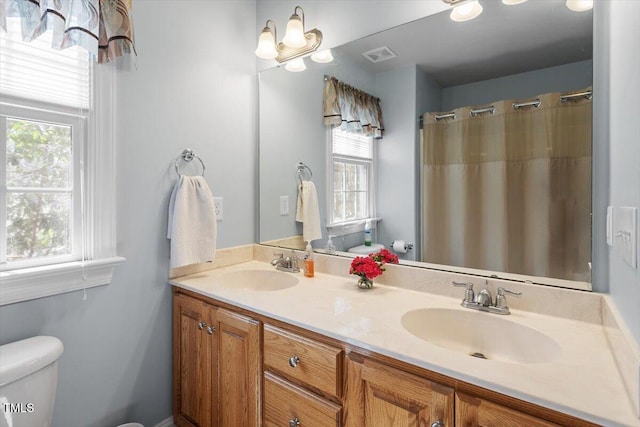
357 226
37 282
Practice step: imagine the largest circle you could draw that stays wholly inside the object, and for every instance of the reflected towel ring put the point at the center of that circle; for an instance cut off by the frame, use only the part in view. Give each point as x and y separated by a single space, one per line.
301 169
187 155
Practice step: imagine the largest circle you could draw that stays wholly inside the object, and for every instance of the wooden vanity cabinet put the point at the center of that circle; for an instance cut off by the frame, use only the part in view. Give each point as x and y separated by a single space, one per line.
472 411
302 380
379 395
229 370
193 351
216 366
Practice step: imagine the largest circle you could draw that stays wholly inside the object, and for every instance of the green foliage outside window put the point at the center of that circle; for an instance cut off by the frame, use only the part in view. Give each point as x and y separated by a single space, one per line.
39 179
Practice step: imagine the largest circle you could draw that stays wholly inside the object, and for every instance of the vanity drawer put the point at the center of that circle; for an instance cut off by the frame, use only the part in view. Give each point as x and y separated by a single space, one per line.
287 405
316 364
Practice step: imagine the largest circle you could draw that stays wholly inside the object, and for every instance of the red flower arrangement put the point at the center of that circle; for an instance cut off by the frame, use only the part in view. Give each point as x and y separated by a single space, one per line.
372 266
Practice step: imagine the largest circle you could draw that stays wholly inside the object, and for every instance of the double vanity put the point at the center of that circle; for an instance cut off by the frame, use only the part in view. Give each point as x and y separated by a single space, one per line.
256 346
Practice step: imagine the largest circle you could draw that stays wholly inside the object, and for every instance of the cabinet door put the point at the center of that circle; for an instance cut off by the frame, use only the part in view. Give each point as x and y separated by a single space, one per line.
238 395
475 412
193 359
381 396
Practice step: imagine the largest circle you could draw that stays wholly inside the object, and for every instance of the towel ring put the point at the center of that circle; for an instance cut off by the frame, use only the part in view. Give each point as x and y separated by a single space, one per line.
187 155
301 170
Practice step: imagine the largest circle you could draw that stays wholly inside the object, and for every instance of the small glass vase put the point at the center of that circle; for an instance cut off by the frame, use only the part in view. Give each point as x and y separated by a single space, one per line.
365 283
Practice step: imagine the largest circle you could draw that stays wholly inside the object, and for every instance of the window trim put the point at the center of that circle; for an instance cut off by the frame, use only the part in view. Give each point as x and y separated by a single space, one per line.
100 211
56 116
350 226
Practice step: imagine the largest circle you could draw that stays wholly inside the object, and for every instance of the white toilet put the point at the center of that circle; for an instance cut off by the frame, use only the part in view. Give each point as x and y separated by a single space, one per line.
366 250
28 379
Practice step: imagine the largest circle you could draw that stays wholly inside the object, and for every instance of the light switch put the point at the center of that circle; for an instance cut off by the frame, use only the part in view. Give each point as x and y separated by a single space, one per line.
284 205
627 234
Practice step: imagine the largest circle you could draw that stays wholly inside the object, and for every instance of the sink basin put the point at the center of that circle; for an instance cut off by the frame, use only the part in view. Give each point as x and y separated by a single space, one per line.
258 280
481 335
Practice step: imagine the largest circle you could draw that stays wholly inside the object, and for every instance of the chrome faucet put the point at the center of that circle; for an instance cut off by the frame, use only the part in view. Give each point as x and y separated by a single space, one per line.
288 263
484 301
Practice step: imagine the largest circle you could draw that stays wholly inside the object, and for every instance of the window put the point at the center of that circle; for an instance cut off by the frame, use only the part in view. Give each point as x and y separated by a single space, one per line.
40 215
352 186
56 216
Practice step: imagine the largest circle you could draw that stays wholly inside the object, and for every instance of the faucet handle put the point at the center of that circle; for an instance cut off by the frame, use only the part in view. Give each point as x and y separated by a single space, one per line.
469 295
501 299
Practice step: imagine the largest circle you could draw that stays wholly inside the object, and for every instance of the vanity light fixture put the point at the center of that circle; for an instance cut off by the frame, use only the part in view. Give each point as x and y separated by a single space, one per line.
323 56
267 42
464 10
579 5
513 2
295 65
296 41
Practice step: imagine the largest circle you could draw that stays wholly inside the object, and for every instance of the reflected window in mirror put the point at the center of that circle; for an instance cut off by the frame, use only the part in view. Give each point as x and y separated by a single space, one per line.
351 187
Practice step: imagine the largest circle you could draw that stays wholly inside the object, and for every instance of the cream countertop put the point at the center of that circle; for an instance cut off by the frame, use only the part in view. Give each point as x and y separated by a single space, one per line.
583 381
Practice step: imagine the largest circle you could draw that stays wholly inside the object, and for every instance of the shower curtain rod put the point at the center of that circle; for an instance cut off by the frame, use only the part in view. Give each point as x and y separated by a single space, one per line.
491 109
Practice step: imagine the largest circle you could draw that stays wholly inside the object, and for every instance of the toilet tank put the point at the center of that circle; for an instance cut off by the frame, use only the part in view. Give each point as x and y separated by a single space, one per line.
28 379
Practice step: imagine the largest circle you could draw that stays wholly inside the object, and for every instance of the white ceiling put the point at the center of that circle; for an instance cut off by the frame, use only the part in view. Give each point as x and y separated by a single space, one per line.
503 40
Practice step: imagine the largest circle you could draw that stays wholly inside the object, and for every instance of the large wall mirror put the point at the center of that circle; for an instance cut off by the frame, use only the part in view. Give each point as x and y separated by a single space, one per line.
537 50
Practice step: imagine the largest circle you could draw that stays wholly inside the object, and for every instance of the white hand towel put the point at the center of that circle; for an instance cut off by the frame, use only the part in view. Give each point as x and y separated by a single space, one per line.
308 211
192 222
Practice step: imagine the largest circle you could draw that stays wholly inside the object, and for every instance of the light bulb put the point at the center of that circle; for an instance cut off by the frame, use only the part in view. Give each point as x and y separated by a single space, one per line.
294 37
513 2
323 56
295 65
466 11
579 5
266 45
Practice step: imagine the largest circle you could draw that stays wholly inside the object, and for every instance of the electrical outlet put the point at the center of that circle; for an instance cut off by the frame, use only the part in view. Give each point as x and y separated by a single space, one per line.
284 205
217 203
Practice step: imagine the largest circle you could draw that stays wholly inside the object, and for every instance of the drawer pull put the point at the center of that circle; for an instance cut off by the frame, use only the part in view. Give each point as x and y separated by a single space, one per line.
293 362
202 325
294 422
438 424
211 330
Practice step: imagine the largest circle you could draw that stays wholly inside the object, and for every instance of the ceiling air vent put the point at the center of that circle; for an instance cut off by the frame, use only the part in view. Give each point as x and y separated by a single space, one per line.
379 54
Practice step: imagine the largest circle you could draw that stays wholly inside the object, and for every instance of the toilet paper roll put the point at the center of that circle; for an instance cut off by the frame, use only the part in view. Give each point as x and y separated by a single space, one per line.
399 246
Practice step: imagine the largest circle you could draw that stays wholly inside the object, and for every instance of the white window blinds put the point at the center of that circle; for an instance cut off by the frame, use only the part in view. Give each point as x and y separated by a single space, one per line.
35 71
352 144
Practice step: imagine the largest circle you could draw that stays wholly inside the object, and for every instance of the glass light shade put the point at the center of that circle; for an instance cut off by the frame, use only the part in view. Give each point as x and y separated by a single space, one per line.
466 11
294 37
266 45
579 5
323 56
295 65
513 2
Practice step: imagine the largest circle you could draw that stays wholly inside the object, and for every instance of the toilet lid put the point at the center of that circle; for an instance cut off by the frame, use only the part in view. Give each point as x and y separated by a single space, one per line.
366 250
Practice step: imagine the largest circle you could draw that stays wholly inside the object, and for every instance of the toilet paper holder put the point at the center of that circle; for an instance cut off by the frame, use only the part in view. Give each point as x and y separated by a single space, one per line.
407 246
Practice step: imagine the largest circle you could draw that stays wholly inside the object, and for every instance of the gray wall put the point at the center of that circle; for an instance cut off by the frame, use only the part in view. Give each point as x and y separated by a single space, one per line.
624 145
397 184
192 88
562 78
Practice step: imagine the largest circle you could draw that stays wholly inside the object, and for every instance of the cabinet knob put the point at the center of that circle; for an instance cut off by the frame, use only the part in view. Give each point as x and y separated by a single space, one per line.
211 330
438 424
202 325
293 362
294 422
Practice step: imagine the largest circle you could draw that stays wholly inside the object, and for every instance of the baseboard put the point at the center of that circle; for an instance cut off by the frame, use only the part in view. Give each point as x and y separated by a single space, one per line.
166 423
